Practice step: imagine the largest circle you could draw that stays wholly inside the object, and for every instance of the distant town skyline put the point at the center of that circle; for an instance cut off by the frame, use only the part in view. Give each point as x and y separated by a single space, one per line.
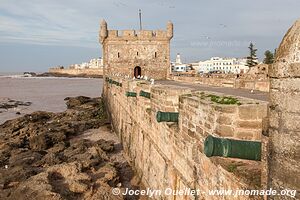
36 35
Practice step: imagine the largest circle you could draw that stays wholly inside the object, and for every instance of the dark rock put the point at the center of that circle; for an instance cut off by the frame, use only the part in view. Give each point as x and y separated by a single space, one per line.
48 74
74 102
10 103
106 145
40 116
23 157
39 142
40 156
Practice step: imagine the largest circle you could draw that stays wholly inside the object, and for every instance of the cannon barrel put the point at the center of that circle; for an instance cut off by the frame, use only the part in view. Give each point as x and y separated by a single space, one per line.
224 147
167 116
130 94
145 94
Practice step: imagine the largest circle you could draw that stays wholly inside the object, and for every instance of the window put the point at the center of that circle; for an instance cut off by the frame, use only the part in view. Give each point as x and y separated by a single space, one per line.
118 54
155 54
137 53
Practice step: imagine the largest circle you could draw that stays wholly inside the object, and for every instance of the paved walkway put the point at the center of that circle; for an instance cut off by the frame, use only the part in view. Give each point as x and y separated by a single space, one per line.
258 95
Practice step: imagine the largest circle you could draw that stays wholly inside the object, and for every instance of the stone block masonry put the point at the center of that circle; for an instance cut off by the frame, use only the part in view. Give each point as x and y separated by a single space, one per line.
136 53
171 155
254 83
284 159
77 72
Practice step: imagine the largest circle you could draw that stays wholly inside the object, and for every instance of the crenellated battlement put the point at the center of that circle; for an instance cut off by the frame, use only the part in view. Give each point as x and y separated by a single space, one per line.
136 52
135 34
140 34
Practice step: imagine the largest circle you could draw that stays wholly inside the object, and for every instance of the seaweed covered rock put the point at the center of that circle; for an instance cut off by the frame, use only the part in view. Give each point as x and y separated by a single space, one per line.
42 155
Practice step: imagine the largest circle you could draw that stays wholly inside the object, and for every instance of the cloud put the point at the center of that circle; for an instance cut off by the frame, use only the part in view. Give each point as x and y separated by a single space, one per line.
75 23
47 22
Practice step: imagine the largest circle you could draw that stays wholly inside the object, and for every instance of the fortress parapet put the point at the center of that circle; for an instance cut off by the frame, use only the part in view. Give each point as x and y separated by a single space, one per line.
136 53
141 34
135 34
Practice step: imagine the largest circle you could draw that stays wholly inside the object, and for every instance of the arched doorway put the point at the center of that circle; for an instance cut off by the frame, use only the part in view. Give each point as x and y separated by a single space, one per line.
137 71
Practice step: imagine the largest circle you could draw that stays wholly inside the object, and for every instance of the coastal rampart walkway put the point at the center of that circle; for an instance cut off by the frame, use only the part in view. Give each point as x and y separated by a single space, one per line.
258 95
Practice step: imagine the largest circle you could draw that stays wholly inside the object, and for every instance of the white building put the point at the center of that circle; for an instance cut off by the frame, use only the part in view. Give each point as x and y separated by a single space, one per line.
223 65
94 63
178 66
178 60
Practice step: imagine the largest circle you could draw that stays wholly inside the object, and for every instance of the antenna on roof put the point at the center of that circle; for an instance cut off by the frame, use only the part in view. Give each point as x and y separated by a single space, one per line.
140 16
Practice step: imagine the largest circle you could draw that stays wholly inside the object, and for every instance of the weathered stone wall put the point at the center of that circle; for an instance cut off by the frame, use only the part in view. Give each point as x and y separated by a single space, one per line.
98 72
284 162
261 84
147 49
170 155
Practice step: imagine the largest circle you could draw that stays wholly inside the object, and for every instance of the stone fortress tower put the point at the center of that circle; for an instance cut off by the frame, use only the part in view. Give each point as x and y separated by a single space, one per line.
136 53
284 113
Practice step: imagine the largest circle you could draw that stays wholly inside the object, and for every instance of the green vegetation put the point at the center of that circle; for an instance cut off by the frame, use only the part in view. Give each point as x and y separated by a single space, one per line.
232 168
252 59
269 57
100 113
224 100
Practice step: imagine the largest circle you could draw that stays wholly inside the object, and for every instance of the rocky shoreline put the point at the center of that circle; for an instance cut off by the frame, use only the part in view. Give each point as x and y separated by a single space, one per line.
50 74
7 103
67 155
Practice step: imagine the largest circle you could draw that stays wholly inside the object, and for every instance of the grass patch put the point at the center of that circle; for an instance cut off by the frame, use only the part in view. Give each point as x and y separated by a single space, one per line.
231 168
224 100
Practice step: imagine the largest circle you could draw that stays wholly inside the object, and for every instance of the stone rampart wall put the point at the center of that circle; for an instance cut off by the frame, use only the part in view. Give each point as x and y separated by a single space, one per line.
284 159
244 83
77 71
170 154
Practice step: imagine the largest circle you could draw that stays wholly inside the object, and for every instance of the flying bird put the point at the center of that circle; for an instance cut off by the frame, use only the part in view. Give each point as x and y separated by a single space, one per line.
223 25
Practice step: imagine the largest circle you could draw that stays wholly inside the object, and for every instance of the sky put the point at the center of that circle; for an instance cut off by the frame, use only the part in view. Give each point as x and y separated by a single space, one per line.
38 34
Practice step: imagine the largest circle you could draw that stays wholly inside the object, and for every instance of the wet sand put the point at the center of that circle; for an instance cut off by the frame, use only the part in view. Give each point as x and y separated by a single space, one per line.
46 94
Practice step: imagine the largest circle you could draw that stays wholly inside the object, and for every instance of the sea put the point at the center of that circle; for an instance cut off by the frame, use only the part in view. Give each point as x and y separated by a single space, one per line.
45 93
